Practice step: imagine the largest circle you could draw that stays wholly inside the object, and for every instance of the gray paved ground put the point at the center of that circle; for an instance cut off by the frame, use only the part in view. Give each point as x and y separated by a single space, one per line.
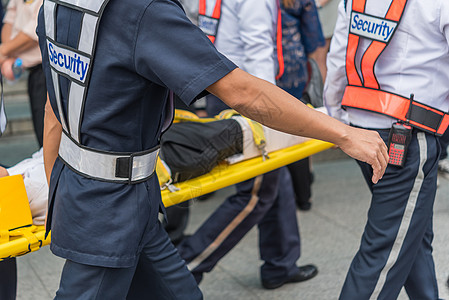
330 235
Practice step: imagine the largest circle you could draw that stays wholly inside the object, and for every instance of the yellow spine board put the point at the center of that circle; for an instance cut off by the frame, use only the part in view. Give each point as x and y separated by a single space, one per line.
14 207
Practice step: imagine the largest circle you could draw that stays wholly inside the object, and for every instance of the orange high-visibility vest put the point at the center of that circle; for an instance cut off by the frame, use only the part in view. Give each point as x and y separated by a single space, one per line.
209 25
364 92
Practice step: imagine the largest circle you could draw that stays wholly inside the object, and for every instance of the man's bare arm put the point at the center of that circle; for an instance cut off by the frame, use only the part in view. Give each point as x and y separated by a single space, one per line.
20 43
3 172
52 138
6 32
270 105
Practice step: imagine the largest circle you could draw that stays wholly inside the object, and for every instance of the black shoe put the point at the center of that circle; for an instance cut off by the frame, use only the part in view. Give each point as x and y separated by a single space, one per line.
304 206
304 273
178 240
198 277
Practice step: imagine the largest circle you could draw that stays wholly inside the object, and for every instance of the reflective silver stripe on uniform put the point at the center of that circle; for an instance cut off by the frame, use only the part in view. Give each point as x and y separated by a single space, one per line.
75 103
2 115
103 165
88 33
93 6
49 12
231 226
77 91
64 60
407 217
210 6
54 76
144 166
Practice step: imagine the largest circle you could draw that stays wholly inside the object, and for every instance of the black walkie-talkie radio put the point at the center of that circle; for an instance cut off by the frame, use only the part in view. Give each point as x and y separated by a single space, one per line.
399 140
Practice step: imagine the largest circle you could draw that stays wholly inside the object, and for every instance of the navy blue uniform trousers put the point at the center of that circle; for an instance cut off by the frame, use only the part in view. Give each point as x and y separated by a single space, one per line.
257 201
396 246
159 274
8 279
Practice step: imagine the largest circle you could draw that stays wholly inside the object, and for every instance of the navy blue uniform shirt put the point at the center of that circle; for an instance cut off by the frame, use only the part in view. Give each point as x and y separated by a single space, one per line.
144 48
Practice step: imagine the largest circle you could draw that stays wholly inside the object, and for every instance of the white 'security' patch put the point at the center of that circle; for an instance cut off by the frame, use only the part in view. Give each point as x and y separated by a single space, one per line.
68 62
372 27
208 25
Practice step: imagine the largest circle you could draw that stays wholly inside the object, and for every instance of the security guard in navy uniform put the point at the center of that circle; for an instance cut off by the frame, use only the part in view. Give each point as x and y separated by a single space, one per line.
108 75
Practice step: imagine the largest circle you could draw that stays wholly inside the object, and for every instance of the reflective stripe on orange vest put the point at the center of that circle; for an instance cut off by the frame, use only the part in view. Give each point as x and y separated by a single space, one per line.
209 25
280 56
364 92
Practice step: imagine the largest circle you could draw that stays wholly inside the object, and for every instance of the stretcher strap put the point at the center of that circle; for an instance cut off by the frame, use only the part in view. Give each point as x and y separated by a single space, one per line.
259 137
33 242
164 176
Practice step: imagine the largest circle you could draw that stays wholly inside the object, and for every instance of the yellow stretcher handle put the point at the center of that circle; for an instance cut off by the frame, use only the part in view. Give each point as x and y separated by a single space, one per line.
20 245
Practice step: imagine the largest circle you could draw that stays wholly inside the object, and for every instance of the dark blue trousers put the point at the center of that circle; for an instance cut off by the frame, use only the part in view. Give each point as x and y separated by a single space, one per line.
396 246
159 274
8 279
266 201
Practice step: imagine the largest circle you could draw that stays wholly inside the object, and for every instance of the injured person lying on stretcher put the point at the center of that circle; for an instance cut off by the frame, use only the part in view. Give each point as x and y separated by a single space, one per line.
192 146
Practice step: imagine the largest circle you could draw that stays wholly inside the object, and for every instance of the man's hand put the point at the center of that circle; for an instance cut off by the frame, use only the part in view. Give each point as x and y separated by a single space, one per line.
367 146
6 68
3 58
3 172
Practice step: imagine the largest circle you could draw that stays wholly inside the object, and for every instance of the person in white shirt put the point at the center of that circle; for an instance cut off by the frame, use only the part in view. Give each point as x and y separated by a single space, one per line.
246 34
394 65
